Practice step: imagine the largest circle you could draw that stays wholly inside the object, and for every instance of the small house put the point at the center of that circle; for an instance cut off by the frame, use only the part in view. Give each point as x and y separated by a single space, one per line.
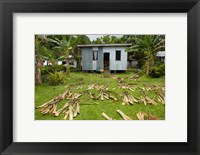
107 57
161 56
72 62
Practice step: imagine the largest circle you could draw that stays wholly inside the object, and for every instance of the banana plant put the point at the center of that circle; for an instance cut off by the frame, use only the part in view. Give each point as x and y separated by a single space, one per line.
64 45
146 46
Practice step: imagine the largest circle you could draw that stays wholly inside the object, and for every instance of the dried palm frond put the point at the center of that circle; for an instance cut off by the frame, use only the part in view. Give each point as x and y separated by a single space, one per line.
147 100
125 85
104 94
128 99
125 117
145 116
160 97
134 77
106 116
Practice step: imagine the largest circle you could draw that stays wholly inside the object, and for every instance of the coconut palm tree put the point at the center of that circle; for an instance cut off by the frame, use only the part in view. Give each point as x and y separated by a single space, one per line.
147 46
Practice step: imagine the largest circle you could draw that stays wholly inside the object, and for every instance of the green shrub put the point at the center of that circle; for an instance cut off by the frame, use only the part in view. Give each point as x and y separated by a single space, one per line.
56 78
73 69
47 69
60 68
157 71
45 78
52 69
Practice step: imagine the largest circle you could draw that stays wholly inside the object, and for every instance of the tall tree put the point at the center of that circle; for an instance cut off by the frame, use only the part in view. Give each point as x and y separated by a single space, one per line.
39 48
79 39
147 46
65 46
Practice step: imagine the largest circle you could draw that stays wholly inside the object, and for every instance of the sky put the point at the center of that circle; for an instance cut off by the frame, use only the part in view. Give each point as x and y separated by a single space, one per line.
93 37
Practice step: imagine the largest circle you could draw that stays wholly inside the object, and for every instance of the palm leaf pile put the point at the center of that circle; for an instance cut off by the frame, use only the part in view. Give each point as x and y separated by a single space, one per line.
125 85
78 85
103 94
140 115
134 77
72 107
160 97
97 86
128 99
146 116
146 99
120 80
50 106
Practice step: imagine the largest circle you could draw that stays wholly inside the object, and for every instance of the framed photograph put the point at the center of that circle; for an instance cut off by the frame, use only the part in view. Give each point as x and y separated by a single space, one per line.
106 77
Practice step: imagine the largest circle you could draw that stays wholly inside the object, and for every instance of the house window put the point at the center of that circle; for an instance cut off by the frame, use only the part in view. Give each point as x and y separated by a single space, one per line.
64 62
118 55
95 55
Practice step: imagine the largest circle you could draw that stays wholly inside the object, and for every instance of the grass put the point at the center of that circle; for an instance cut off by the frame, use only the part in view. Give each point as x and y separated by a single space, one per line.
92 109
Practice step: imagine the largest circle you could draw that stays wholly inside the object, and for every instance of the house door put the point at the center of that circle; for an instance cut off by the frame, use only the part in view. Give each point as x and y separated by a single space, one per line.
106 61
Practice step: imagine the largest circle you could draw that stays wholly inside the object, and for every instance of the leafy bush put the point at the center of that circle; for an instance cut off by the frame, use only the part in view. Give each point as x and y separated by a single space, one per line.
134 70
56 78
60 68
73 69
157 71
52 69
47 69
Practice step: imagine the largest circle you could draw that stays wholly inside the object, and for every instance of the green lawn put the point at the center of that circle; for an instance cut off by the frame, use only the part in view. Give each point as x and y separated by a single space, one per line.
92 109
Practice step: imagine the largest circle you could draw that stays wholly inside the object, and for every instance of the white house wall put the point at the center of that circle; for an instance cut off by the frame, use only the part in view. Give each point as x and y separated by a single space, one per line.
117 64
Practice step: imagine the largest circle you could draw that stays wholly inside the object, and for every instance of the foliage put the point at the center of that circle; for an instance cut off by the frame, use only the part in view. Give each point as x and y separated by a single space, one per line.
52 69
110 39
56 78
157 71
47 70
144 49
76 52
64 46
39 48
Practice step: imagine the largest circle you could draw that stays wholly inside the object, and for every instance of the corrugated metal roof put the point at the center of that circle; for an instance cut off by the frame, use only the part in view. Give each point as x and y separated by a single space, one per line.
104 45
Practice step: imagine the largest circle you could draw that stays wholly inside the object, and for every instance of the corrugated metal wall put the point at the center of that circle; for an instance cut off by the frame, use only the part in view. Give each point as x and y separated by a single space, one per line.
87 58
116 64
100 59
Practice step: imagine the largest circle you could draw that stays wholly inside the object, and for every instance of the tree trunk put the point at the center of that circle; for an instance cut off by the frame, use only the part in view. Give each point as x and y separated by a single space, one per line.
68 67
149 64
79 61
39 64
147 68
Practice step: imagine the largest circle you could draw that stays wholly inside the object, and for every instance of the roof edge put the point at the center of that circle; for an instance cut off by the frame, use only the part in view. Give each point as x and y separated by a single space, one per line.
104 45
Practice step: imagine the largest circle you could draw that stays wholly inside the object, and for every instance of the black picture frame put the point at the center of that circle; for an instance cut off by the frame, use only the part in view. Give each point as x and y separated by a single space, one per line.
8 7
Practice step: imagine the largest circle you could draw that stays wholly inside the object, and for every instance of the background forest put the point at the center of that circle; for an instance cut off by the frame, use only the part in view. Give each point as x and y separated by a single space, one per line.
61 47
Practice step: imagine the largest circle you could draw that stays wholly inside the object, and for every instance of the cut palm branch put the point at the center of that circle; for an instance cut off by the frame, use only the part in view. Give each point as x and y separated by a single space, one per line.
125 85
125 117
145 116
128 99
134 77
160 97
104 94
106 116
147 100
